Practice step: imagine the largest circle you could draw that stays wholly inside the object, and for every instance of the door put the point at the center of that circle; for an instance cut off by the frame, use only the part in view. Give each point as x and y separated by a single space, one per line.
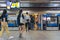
52 23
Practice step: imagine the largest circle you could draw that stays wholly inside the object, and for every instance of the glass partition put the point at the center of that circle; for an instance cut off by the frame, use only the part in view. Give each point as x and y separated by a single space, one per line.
52 21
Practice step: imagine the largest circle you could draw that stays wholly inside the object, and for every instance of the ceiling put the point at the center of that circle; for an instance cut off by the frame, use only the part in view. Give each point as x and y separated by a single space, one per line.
37 1
2 0
40 1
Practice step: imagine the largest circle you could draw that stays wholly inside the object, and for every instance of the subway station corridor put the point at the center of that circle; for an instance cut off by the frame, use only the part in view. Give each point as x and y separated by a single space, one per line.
34 35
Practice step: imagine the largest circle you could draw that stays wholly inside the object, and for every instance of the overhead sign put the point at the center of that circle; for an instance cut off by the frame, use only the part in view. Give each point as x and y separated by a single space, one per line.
13 5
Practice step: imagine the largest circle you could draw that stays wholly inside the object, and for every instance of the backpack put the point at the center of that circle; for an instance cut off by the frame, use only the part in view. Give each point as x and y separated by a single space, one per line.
32 19
21 19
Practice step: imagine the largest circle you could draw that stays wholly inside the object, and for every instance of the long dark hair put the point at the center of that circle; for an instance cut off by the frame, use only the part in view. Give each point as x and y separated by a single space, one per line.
4 12
20 12
19 15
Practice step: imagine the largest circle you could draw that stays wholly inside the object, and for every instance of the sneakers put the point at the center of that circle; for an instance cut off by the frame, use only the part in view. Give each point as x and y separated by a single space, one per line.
11 37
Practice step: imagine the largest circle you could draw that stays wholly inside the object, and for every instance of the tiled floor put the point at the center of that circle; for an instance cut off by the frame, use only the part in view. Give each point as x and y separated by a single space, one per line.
34 35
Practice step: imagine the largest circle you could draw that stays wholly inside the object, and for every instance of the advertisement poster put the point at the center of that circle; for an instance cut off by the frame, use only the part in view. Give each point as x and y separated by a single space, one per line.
12 4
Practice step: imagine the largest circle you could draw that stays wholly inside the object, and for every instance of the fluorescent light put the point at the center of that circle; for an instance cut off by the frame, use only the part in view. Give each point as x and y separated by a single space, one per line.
52 11
26 11
2 1
3 5
54 1
56 5
24 1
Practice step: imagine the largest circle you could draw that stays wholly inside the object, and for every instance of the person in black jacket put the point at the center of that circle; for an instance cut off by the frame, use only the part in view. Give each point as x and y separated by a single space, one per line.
20 20
4 15
32 21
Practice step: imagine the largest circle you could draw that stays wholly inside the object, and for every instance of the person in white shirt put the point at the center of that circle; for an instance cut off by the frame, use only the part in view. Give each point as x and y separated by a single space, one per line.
20 20
27 21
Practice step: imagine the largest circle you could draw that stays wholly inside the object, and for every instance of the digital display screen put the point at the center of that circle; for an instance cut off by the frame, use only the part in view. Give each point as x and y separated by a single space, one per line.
13 4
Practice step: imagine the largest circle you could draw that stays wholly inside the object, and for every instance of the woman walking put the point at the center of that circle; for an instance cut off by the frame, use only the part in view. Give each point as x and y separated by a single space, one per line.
4 25
20 20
